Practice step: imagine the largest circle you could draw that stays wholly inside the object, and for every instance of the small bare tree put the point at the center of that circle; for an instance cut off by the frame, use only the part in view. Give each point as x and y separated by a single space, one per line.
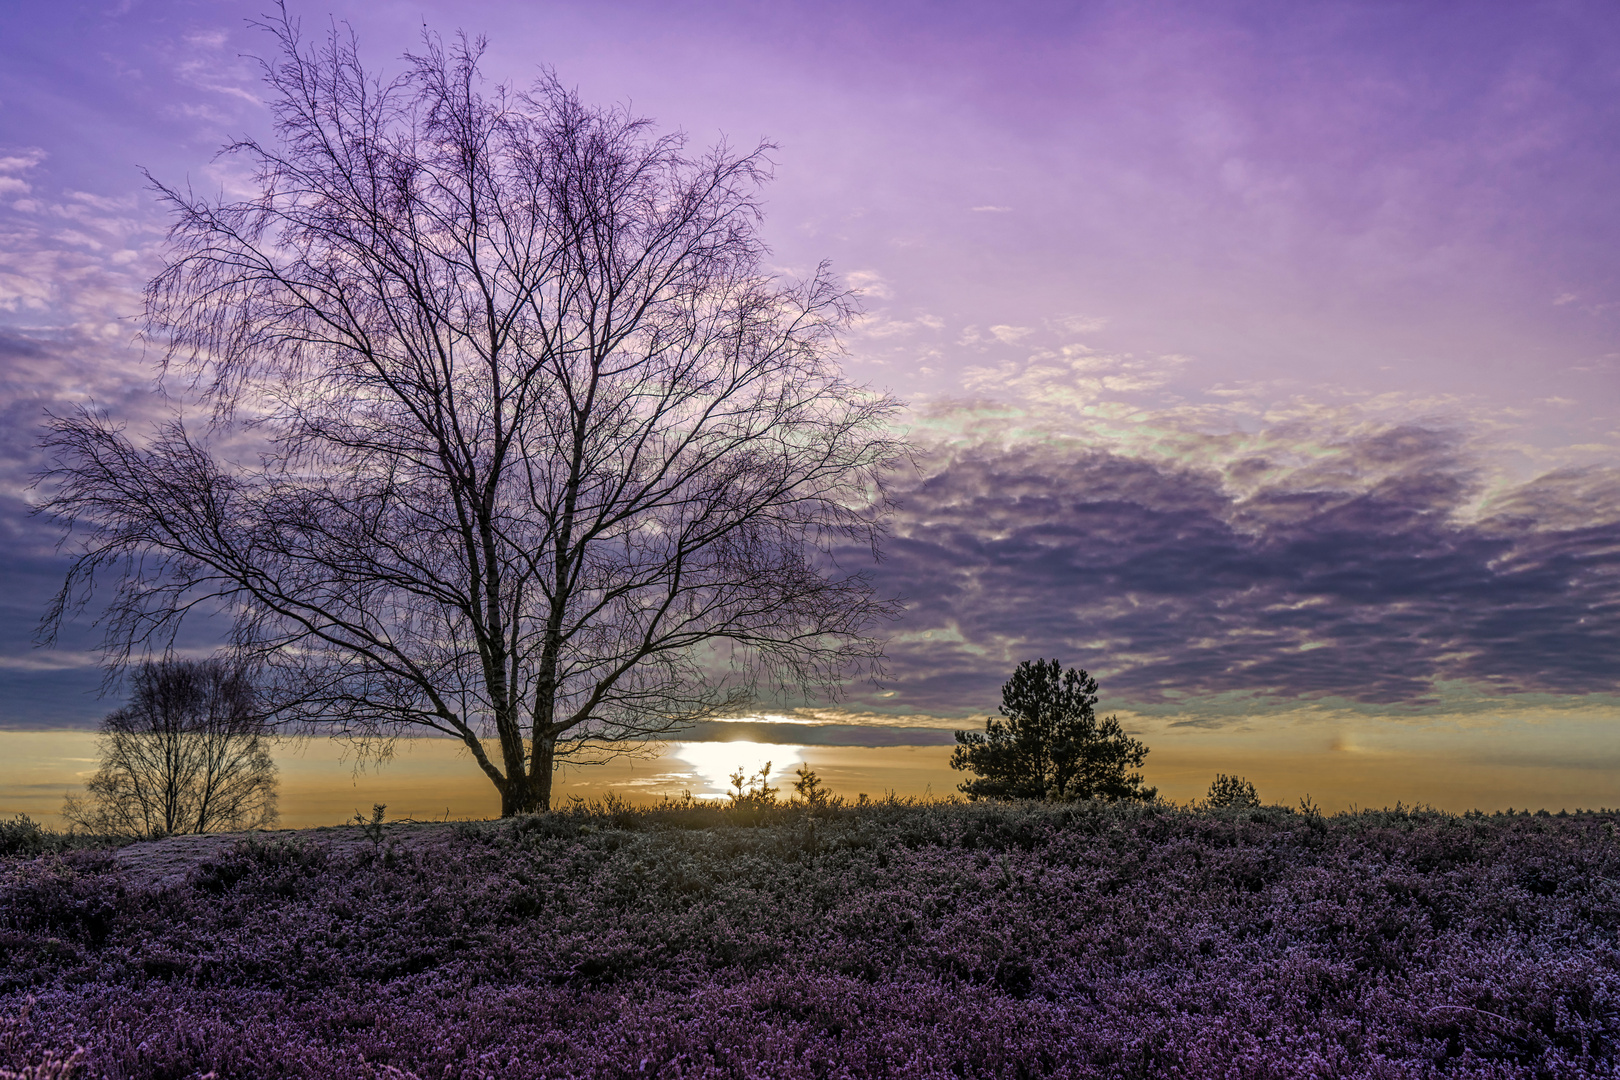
189 754
544 453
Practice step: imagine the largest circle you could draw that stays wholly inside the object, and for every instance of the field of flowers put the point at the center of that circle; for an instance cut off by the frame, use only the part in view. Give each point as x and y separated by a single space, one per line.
885 940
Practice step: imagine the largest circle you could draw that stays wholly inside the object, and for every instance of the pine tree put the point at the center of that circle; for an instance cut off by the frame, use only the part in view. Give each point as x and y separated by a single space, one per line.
1050 744
1231 791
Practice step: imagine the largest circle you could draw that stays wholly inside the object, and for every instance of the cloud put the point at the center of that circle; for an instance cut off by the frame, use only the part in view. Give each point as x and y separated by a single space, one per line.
207 65
20 161
77 260
44 700
51 660
876 326
868 283
828 734
1068 376
71 272
1365 564
1079 324
207 39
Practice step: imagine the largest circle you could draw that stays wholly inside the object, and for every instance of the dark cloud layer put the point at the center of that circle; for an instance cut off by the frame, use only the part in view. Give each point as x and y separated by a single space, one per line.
1368 574
1365 567
51 687
50 699
816 734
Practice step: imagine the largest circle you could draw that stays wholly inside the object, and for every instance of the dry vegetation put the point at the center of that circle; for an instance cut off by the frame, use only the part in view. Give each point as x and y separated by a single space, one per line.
893 939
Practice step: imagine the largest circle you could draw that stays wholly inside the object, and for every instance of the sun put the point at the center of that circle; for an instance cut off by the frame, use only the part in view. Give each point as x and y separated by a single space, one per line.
713 762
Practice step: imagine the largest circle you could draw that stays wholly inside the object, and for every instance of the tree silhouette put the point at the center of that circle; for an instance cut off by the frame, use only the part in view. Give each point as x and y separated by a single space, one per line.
1231 791
1050 744
545 454
189 754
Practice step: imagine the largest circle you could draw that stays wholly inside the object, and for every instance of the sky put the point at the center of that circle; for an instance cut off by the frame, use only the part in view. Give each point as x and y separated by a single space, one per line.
1263 358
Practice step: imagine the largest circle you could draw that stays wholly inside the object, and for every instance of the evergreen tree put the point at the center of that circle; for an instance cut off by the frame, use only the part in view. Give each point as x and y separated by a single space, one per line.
1050 744
1231 791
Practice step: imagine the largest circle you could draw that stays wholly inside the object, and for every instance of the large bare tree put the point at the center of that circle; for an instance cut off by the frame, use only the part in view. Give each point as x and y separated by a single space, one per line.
528 444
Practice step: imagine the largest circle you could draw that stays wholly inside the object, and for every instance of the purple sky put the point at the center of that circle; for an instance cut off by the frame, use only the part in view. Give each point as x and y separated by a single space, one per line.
1261 353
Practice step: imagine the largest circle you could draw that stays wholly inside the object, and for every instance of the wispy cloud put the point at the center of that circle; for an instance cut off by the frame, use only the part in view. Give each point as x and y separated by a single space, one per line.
14 162
1071 376
868 283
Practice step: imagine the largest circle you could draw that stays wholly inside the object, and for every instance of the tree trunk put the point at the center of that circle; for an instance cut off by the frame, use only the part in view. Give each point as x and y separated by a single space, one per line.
530 793
540 771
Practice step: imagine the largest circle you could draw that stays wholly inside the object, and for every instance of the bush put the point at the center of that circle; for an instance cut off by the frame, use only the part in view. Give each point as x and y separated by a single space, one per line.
22 837
893 939
1229 792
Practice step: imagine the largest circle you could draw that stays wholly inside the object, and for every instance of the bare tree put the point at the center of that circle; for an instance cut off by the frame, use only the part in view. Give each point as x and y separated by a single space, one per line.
544 453
189 754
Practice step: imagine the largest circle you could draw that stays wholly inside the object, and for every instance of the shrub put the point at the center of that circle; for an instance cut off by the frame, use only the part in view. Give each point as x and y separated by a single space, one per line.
22 837
752 792
808 788
1231 792
986 939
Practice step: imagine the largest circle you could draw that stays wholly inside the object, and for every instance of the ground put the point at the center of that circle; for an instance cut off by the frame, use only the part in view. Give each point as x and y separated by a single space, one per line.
888 940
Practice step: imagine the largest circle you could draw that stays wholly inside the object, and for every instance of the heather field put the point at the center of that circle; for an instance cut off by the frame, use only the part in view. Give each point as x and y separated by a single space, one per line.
885 940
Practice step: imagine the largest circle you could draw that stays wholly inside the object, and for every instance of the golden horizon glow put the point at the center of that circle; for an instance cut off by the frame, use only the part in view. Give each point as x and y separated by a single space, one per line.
1560 759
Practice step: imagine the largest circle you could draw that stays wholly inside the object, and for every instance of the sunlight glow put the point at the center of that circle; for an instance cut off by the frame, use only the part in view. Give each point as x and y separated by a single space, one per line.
714 762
